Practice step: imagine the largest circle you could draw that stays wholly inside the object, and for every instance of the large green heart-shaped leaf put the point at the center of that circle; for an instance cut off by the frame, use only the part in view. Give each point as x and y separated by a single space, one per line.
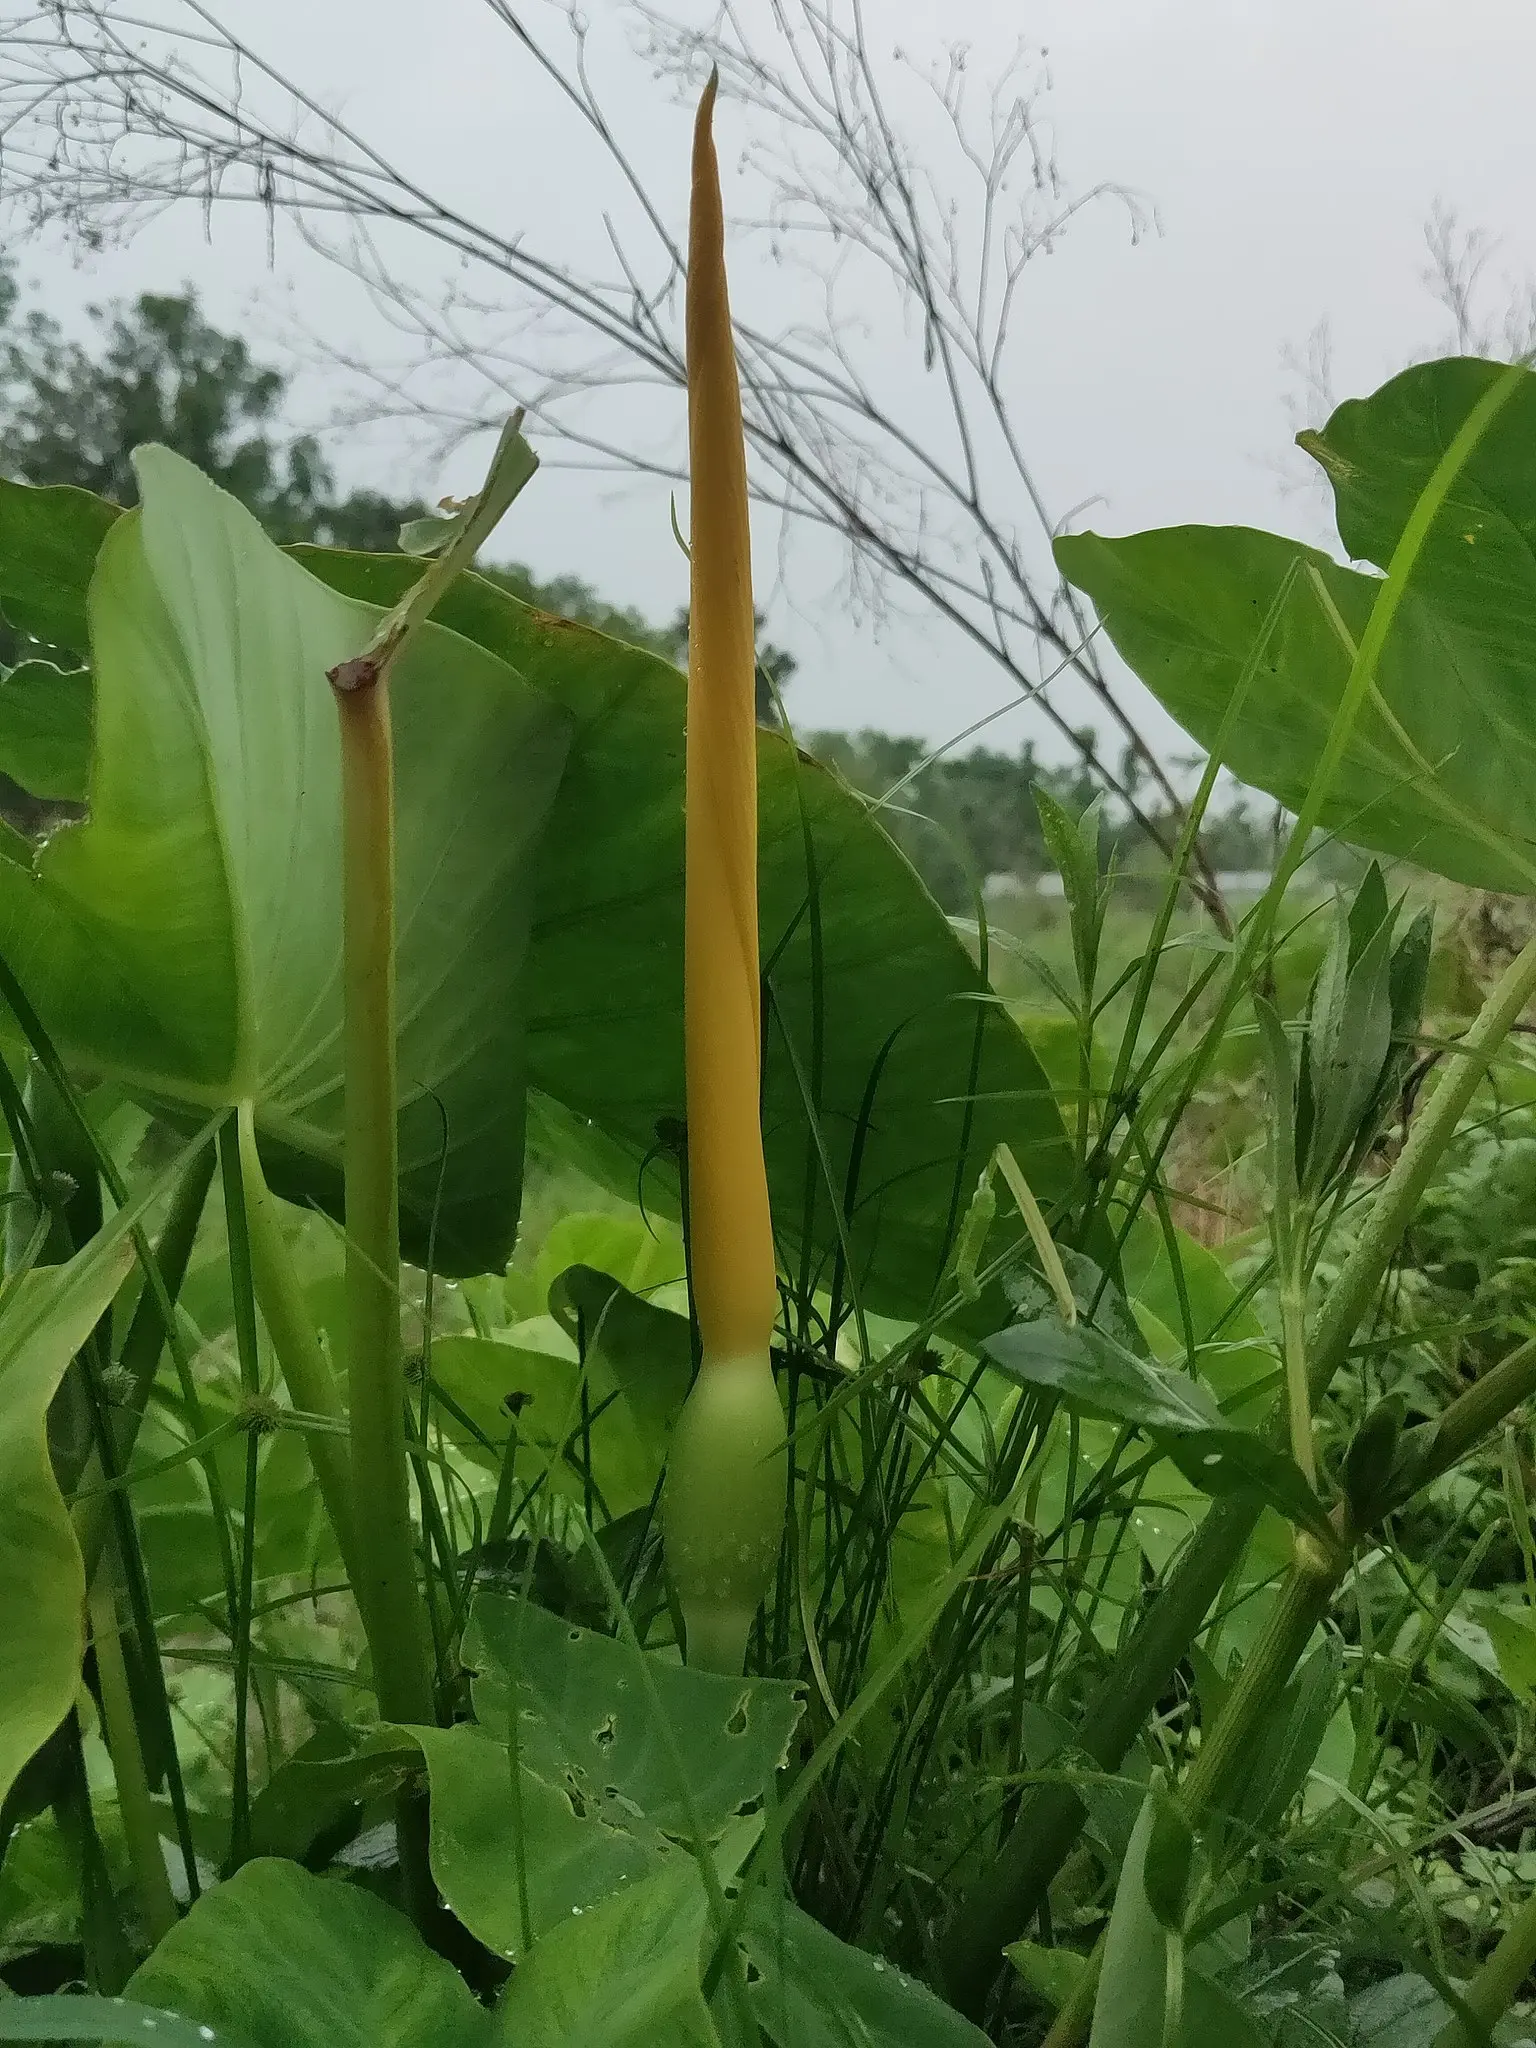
278 1959
68 2016
42 1580
45 730
877 1016
49 538
625 1975
1441 767
593 1713
810 1990
618 1755
186 939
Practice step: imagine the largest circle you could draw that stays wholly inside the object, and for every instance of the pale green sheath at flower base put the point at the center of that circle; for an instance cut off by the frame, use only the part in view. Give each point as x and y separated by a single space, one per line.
723 1507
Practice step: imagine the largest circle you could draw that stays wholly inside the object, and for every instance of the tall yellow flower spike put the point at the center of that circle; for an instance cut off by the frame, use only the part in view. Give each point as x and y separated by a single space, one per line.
723 1509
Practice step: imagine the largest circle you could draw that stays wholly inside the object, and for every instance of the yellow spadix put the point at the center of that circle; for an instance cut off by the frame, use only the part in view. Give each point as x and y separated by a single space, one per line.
723 1509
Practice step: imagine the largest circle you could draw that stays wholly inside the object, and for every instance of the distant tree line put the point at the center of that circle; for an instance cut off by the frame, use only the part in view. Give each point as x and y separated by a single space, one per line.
964 819
73 409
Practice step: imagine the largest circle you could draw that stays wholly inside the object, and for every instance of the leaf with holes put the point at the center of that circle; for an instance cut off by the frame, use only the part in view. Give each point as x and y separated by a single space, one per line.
619 1755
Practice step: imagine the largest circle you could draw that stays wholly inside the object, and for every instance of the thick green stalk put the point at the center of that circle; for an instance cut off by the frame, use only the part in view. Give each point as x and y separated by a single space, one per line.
1303 1603
1051 1819
304 1366
108 1957
141 1830
1474 1415
387 1586
385 1580
243 1299
1500 1981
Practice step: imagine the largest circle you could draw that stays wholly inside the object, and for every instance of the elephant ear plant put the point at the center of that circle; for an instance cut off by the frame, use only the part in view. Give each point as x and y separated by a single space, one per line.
863 1544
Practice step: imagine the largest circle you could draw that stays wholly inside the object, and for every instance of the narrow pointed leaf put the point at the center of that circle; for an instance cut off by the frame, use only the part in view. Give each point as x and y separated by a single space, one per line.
42 1579
1090 1371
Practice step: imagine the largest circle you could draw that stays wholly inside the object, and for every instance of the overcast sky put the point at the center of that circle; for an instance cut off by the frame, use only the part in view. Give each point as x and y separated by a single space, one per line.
1291 154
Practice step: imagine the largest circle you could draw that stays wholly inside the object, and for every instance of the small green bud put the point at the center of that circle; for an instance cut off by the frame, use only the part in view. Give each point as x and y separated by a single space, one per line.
261 1414
118 1386
972 1238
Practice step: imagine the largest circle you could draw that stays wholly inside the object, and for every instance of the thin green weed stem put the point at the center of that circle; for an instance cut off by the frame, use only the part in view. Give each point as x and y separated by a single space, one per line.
141 1830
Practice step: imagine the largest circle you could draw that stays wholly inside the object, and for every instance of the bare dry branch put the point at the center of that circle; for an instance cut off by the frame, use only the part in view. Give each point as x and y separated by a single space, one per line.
106 117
